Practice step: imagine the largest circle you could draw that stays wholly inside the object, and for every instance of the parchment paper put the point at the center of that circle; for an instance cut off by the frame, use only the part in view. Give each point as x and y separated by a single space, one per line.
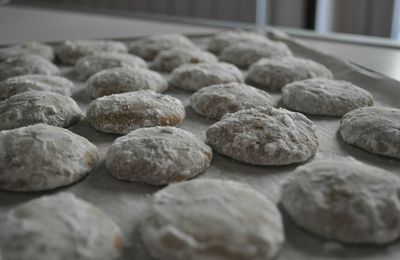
125 202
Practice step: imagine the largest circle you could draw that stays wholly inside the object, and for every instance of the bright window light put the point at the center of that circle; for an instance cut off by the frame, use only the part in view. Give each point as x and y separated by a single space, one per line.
396 21
323 16
261 12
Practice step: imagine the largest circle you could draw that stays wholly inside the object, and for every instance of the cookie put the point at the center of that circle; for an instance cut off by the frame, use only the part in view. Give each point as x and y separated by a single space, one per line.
34 48
243 54
373 129
20 84
90 65
224 39
34 107
321 96
344 200
211 219
119 80
158 156
170 59
193 77
42 157
264 136
59 227
27 64
217 100
71 51
148 47
273 74
122 113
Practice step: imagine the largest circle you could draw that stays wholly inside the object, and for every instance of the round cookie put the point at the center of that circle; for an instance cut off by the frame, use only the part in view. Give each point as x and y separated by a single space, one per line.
122 113
193 77
217 100
264 136
71 51
148 47
59 227
27 64
34 48
43 157
211 219
119 80
243 54
373 129
34 107
224 39
344 200
158 156
273 74
321 96
90 65
170 59
20 84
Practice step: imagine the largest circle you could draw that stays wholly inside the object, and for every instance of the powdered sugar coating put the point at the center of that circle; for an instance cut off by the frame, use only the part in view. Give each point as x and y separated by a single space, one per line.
224 39
43 157
211 219
344 200
59 227
34 107
264 136
275 74
122 113
193 77
158 156
216 100
20 84
119 80
34 48
71 51
90 65
321 96
168 60
243 54
374 129
149 47
27 64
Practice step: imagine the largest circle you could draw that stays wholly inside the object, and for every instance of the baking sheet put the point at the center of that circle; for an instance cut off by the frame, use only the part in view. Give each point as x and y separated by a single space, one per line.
125 202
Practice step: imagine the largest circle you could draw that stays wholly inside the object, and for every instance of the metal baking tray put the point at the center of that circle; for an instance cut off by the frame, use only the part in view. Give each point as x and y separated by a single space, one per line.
126 201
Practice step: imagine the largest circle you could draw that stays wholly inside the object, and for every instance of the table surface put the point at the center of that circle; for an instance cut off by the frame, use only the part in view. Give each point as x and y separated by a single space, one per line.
21 23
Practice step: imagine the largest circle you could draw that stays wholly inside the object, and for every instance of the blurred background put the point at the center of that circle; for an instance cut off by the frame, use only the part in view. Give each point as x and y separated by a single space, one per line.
363 17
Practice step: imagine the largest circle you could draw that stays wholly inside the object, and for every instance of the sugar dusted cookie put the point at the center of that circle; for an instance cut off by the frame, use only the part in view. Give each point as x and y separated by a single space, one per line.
216 100
158 156
28 48
273 74
211 219
264 136
90 65
59 227
122 113
49 83
243 54
71 51
170 59
27 64
42 157
373 129
344 200
322 96
120 80
35 107
148 47
193 77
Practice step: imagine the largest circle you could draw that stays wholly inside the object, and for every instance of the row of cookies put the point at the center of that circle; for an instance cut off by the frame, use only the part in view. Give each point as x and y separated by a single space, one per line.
151 237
